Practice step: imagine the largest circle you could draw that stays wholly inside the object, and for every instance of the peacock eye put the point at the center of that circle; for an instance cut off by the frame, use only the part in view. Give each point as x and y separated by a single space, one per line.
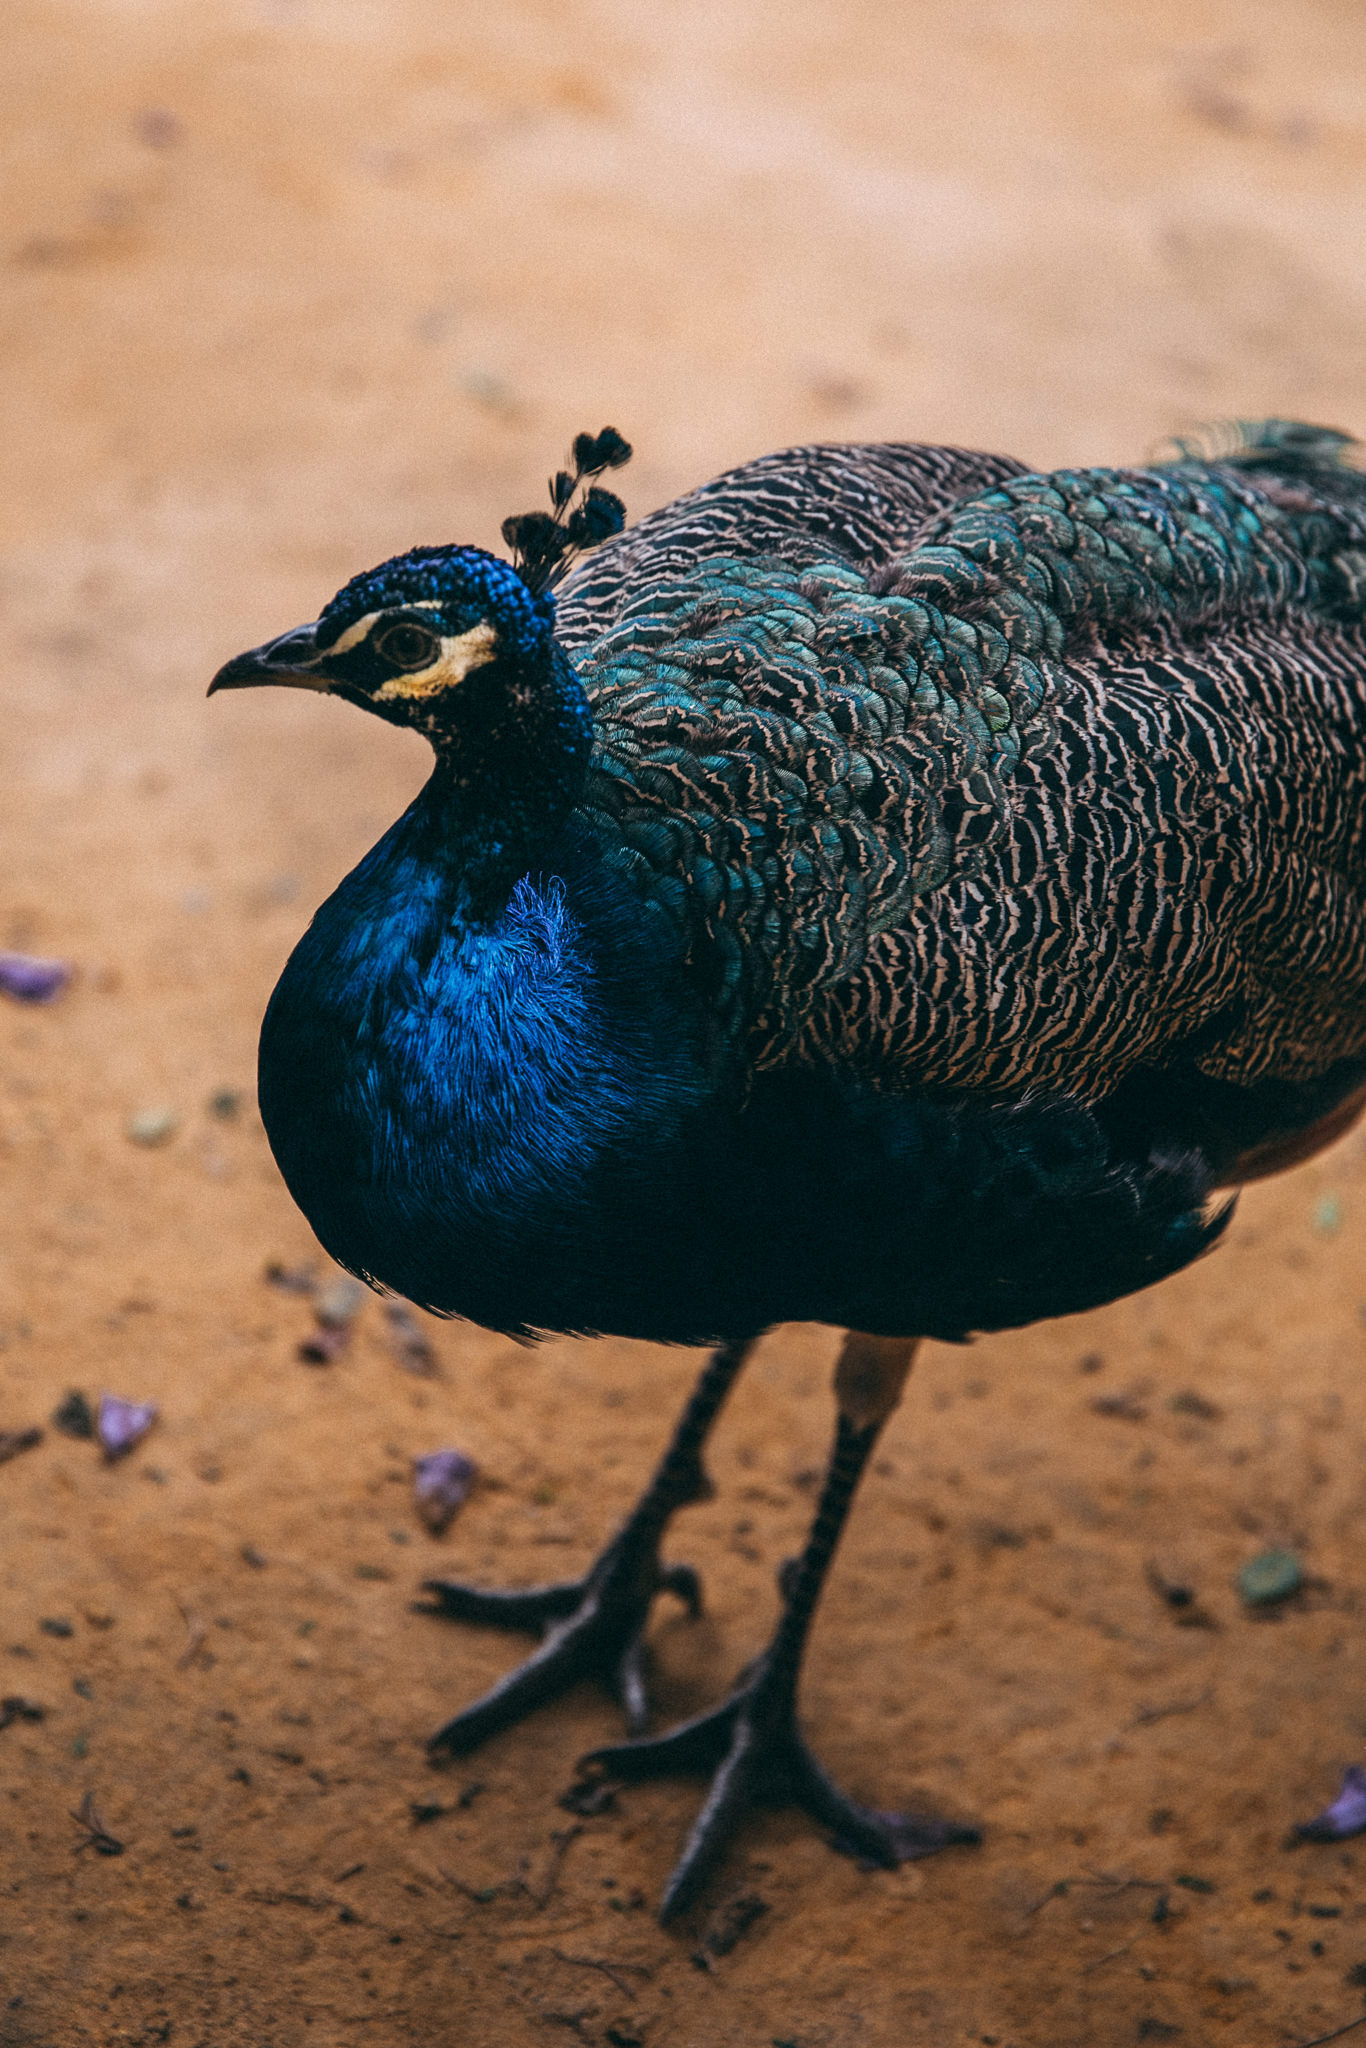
407 646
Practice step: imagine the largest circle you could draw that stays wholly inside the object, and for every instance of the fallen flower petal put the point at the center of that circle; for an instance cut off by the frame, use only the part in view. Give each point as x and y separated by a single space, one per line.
32 981
441 1486
123 1424
1347 1814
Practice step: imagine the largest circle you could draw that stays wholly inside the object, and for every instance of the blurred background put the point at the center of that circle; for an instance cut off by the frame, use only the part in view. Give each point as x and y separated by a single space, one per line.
289 285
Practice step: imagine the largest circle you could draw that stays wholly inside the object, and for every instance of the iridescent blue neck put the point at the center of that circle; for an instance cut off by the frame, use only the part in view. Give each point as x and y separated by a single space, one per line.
511 758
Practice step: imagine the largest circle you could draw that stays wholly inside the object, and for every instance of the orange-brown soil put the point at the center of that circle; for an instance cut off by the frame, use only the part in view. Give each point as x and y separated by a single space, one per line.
287 285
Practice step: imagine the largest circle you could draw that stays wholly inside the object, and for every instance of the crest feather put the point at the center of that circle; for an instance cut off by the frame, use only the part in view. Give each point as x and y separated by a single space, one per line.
545 544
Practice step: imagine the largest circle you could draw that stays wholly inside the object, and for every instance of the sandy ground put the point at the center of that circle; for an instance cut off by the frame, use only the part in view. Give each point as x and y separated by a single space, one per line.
288 286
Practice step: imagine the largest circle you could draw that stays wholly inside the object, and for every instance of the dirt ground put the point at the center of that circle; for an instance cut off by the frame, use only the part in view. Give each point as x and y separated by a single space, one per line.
288 285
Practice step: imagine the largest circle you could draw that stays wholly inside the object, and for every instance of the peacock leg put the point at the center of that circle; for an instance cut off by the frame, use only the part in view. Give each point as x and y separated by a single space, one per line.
751 1742
594 1627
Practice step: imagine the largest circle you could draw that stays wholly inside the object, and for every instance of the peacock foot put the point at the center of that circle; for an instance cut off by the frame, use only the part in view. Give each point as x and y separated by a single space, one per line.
593 1627
755 1751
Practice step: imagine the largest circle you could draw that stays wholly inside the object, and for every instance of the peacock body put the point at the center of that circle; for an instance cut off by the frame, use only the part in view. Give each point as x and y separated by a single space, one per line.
889 888
937 816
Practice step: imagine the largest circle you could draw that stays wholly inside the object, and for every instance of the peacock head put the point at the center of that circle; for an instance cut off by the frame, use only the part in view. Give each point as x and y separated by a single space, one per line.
409 639
402 639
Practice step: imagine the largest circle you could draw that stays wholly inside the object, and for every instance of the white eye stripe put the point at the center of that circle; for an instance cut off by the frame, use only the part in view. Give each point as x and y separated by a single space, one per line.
360 628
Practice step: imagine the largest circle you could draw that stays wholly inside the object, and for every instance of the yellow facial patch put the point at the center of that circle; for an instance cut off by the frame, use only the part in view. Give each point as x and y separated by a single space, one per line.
459 654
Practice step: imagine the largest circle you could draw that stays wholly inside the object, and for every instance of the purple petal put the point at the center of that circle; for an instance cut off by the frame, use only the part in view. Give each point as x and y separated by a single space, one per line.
1347 1814
122 1424
441 1486
32 981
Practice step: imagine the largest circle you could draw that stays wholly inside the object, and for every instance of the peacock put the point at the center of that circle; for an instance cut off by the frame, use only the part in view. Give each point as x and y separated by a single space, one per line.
887 887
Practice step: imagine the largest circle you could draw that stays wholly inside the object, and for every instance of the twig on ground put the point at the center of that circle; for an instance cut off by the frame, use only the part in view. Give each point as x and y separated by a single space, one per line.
561 1839
1100 1961
1148 1714
1337 2033
612 1970
1055 1891
486 1894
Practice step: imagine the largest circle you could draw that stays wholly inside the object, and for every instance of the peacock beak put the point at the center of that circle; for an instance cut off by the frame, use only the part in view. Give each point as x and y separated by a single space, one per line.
292 660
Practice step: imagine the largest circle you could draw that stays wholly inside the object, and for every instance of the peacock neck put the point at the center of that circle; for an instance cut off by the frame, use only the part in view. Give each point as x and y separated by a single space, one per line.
511 761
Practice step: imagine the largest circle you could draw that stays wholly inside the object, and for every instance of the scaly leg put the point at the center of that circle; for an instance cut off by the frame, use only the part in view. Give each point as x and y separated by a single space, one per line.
594 1627
752 1743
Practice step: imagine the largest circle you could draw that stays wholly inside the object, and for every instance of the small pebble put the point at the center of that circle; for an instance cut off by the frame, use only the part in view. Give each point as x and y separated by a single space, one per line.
1125 1407
14 1707
441 1486
158 128
409 1341
123 1424
335 1308
325 1347
338 1303
12 1441
1271 1577
299 1279
1347 1814
155 1126
30 980
225 1104
1328 1215
1188 1402
487 389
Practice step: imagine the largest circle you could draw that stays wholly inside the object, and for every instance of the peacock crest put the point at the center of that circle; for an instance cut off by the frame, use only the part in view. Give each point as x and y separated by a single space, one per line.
545 544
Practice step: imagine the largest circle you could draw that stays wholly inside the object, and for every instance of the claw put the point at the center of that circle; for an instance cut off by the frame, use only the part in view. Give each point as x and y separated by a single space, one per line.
756 1754
630 1688
593 1627
685 1584
532 1610
696 1745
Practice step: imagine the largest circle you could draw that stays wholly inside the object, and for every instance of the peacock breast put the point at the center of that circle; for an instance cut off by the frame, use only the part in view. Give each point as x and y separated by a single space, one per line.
463 1111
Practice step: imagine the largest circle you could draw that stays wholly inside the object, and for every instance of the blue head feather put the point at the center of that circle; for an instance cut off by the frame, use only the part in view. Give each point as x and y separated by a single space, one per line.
468 584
